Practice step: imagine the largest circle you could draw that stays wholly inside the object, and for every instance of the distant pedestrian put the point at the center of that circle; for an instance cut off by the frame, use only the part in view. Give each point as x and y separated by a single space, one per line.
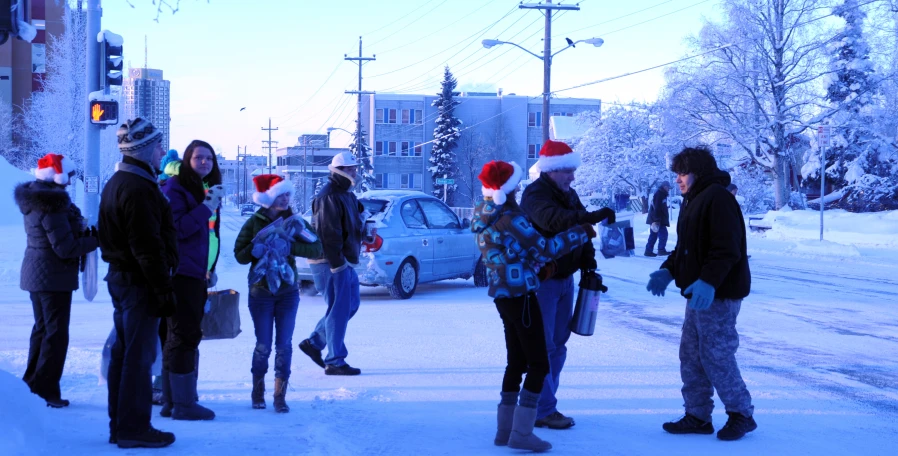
513 252
710 266
139 241
195 194
56 240
273 312
659 219
337 217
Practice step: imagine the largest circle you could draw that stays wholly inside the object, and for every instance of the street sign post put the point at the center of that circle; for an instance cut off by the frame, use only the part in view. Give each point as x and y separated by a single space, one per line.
441 181
824 136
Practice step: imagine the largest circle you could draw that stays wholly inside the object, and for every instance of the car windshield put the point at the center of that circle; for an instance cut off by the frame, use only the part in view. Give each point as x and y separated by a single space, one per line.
373 206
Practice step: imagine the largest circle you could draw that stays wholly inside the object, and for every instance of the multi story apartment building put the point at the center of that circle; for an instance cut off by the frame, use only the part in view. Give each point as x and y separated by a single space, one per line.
147 95
306 166
496 127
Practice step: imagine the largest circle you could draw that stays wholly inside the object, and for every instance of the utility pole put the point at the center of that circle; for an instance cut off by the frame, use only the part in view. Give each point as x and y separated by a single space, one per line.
548 7
360 60
92 153
269 130
245 178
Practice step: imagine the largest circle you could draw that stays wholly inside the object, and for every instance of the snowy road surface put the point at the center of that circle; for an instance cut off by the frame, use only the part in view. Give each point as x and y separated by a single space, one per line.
819 351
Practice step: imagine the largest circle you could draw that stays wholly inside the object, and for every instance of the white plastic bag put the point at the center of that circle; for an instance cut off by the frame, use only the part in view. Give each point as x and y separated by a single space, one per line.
89 276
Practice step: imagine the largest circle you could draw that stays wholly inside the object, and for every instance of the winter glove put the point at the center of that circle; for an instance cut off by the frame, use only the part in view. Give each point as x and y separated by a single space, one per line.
213 197
700 295
655 227
658 282
599 215
166 303
211 279
590 231
547 271
259 250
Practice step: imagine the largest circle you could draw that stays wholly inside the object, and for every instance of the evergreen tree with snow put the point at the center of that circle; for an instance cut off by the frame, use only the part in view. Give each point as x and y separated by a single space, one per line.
366 170
859 163
445 138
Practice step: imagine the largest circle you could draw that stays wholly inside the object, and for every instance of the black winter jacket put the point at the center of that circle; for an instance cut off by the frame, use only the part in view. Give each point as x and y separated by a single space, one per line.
552 212
711 240
54 237
137 232
336 215
658 209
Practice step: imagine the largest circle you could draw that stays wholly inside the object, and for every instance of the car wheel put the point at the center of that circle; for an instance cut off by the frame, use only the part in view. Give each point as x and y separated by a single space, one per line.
307 288
406 281
480 277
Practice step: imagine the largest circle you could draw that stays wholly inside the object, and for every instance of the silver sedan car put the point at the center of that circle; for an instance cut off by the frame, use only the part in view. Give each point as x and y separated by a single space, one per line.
419 239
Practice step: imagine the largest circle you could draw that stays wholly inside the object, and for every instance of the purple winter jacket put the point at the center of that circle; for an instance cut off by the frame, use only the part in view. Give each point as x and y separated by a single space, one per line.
192 225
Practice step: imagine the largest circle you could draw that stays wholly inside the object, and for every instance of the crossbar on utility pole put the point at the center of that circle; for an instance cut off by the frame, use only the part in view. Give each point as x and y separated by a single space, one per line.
269 130
548 7
360 60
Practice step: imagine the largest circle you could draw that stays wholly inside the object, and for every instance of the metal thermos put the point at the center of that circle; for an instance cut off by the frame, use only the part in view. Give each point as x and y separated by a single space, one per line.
584 321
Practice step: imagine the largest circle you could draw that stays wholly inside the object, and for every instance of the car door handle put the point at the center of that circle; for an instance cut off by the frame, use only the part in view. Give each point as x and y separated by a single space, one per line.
440 240
424 242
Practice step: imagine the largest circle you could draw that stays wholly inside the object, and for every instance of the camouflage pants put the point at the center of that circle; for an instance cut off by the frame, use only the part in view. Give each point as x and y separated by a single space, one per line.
708 360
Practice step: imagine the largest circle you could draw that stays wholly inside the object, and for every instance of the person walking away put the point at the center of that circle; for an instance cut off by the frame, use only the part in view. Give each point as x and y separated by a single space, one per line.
710 266
272 312
139 241
659 219
337 217
554 207
55 243
513 251
195 194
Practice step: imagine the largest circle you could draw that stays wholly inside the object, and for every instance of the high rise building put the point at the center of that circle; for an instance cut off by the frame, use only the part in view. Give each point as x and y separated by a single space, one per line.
147 95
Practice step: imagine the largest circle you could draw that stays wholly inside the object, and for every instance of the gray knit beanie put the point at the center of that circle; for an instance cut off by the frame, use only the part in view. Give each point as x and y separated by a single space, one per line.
137 138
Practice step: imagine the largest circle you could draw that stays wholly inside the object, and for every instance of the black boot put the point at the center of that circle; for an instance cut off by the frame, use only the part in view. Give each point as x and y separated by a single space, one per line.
737 426
151 438
57 403
258 391
183 388
280 393
166 395
689 424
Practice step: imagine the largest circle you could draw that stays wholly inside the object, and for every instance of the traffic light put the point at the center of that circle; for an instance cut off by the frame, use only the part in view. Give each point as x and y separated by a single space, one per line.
103 112
111 59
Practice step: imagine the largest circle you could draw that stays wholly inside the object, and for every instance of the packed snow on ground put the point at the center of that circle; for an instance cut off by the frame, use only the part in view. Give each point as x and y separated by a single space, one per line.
818 350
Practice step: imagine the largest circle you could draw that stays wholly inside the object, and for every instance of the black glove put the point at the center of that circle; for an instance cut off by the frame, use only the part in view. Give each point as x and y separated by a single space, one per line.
166 303
599 215
590 231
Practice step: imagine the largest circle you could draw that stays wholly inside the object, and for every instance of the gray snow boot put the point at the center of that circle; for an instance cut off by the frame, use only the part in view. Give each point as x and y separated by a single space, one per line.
183 387
505 417
167 404
280 393
522 436
258 394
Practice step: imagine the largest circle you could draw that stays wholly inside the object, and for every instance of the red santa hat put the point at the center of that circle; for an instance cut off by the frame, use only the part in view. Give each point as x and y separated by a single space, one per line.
269 187
500 178
557 155
55 168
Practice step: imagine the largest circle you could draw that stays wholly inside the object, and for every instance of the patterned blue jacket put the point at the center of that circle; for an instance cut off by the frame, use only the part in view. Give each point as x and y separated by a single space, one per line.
513 250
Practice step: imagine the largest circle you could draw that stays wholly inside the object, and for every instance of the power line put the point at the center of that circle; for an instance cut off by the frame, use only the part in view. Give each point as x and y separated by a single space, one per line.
569 32
401 29
411 42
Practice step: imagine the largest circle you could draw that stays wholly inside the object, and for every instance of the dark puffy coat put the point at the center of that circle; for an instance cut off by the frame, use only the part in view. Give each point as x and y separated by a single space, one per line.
513 249
711 240
552 212
191 219
137 232
243 247
337 217
658 209
55 243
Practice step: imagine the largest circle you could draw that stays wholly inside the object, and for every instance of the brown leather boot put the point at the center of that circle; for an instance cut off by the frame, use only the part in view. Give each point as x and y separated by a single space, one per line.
280 392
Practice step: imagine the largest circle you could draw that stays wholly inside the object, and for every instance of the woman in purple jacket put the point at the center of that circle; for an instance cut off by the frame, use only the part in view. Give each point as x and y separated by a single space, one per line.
195 195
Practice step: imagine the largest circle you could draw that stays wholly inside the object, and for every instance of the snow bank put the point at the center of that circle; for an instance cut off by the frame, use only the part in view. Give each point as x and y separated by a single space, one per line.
22 417
839 227
10 176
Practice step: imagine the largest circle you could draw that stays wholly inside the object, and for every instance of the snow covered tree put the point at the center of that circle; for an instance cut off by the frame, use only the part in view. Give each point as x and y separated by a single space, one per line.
473 152
445 138
363 155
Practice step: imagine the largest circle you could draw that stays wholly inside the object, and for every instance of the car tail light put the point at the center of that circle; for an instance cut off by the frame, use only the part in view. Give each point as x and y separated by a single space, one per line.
375 245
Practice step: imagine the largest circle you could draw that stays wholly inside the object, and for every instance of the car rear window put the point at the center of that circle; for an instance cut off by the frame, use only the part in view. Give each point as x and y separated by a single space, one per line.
373 206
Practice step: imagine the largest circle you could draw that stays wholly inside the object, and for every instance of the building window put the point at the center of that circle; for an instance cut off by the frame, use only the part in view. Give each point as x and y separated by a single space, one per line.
379 180
534 119
419 117
392 180
379 116
411 181
392 119
378 148
403 148
405 116
532 151
392 148
419 149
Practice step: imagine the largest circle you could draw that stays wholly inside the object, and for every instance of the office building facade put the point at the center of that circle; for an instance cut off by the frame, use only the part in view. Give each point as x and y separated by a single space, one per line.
146 94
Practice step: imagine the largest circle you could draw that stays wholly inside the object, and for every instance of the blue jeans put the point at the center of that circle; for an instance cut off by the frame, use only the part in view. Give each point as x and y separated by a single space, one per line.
273 314
129 379
661 236
556 302
342 297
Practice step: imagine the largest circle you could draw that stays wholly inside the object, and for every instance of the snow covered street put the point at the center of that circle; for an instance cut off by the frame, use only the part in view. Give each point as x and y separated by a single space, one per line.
819 352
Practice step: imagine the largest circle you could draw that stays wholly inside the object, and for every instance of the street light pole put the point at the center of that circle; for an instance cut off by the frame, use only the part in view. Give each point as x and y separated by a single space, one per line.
547 71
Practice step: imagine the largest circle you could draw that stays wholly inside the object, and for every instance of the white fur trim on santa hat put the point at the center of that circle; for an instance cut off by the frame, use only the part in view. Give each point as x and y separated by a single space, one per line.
266 198
570 160
498 195
49 174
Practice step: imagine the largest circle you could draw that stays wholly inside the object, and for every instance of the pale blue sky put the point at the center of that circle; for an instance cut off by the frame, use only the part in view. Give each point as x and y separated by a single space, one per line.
284 58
